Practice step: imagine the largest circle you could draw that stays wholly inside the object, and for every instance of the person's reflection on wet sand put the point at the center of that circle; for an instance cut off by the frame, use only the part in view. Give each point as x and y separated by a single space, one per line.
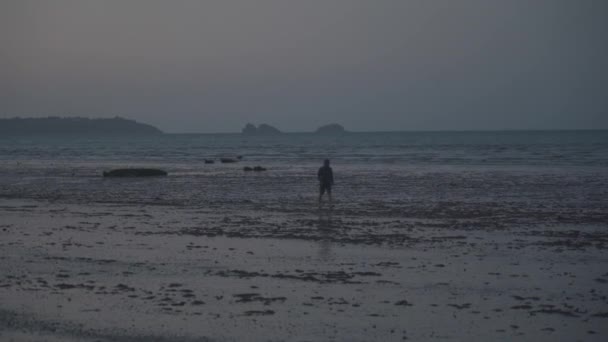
324 225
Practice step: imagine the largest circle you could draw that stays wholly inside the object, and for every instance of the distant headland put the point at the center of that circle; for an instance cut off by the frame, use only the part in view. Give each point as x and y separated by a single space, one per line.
265 129
75 126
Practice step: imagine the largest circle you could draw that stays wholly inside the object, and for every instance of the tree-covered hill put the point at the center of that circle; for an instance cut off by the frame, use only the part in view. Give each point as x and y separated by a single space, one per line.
75 125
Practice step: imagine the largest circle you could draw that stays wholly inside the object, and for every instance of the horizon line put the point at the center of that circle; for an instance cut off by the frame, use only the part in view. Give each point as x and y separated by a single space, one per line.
414 131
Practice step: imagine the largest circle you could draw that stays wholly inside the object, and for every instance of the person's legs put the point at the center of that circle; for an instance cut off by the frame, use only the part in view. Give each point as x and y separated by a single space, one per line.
321 191
329 192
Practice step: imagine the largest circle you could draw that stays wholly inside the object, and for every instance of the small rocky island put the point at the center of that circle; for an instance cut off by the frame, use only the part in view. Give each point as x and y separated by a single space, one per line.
331 129
262 129
75 126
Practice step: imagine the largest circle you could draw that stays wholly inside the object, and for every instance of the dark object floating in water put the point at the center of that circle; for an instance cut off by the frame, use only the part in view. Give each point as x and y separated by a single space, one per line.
134 173
257 168
209 161
228 160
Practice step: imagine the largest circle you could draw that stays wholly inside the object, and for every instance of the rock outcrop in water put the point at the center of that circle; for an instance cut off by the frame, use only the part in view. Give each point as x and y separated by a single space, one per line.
250 129
75 126
332 129
255 168
141 172
263 129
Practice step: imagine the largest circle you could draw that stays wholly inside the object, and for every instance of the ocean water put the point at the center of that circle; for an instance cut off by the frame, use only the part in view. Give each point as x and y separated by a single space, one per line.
510 177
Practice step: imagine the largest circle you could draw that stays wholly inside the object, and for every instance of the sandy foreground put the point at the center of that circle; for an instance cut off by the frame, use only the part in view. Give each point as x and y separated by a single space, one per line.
104 272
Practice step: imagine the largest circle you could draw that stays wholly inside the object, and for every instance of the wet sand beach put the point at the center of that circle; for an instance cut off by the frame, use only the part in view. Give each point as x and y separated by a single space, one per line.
116 272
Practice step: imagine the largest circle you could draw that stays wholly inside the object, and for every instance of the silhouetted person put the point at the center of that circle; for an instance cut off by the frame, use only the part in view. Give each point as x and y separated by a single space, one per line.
326 180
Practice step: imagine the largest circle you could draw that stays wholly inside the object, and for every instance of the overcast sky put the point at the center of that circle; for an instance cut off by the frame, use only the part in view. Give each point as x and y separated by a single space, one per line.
212 66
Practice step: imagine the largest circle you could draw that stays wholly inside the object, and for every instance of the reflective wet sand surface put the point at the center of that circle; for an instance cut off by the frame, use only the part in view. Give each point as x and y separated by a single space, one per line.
160 272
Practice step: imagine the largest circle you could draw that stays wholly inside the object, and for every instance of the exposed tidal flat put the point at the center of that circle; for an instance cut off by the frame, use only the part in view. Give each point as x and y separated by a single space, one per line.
142 272
447 247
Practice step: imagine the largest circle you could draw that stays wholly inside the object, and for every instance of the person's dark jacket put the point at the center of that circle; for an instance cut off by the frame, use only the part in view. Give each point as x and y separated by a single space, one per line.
325 175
